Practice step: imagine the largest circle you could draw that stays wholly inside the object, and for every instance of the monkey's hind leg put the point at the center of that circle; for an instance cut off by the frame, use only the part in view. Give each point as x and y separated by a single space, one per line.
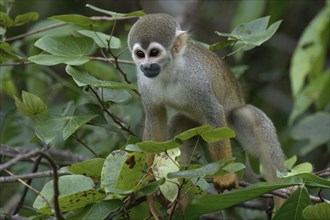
178 124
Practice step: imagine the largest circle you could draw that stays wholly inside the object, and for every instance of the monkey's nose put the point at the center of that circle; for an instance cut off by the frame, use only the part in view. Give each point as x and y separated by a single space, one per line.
150 70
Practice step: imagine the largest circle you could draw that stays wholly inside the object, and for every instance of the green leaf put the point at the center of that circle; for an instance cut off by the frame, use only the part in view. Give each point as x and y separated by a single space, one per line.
196 186
115 14
308 58
221 44
252 34
122 171
310 94
32 105
114 95
99 210
153 146
6 53
163 164
210 203
91 168
193 132
75 191
50 60
2 31
303 168
207 133
319 211
5 20
288 164
77 19
66 46
69 50
51 126
102 40
217 134
82 78
309 179
151 187
207 170
324 97
315 129
293 207
25 18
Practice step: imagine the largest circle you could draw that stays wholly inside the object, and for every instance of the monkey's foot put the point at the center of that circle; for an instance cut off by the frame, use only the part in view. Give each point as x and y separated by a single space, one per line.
229 181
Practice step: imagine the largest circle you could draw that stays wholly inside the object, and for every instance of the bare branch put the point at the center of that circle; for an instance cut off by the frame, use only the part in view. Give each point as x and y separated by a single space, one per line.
106 59
67 157
18 158
36 31
28 182
55 186
8 179
107 18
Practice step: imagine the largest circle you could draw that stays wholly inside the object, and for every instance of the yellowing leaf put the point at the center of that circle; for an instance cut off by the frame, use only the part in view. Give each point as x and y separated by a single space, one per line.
163 164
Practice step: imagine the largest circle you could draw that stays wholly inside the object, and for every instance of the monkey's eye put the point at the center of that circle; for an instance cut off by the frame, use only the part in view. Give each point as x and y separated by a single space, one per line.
154 53
139 54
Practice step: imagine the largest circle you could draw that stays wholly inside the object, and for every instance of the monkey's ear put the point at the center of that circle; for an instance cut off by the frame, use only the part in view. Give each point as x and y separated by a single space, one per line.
180 41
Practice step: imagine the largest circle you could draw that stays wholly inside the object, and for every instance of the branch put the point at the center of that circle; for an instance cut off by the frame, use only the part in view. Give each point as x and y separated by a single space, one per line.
107 18
55 176
55 186
8 179
84 144
18 158
106 59
36 31
284 193
70 157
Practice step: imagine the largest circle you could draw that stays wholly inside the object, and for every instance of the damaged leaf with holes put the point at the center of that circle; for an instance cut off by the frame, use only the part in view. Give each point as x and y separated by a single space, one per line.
91 168
122 172
76 191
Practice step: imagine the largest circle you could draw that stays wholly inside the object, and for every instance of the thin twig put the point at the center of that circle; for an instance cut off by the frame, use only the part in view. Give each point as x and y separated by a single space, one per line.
106 59
55 186
31 188
16 64
109 113
28 182
115 60
84 144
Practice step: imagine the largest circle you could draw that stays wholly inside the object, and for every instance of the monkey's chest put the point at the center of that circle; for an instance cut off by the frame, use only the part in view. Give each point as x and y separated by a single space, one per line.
171 94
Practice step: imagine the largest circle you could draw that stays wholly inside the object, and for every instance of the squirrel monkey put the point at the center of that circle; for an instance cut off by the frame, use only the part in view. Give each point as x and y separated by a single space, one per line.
172 72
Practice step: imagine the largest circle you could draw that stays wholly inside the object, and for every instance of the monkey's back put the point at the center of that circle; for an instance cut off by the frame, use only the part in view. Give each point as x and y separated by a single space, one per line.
224 84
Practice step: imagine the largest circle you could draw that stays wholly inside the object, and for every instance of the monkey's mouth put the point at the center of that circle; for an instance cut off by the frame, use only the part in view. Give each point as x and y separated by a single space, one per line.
151 70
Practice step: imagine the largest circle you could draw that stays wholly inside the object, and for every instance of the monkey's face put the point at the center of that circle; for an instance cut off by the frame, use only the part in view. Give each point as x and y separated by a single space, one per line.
151 60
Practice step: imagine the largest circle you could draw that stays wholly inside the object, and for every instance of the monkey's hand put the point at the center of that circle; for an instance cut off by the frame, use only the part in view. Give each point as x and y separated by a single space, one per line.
229 181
